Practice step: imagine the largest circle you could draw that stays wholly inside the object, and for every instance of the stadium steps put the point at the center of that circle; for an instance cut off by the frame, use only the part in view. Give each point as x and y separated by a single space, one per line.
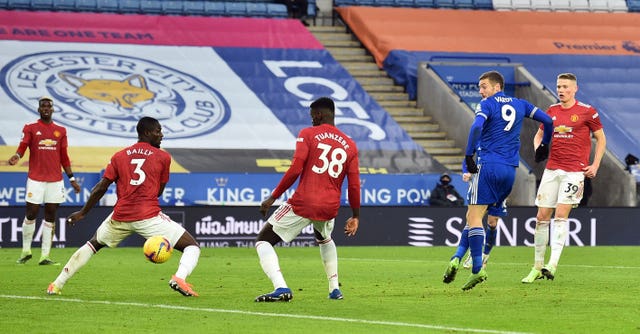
349 52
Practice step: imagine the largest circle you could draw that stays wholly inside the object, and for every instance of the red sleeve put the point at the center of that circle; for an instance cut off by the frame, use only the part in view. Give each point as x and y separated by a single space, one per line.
289 177
299 159
594 123
64 155
353 176
24 142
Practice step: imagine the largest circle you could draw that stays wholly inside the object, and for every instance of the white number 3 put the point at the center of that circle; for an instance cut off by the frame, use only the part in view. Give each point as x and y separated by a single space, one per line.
138 171
333 167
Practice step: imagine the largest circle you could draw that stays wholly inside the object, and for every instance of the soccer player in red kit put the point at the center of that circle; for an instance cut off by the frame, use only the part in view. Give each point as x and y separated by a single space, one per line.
323 157
47 143
562 184
140 172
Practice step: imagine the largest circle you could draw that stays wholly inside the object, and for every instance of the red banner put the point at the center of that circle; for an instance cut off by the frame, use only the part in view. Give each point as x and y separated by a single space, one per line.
155 30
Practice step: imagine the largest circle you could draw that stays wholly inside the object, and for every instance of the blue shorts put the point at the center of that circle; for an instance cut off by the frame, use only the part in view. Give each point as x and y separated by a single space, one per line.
491 186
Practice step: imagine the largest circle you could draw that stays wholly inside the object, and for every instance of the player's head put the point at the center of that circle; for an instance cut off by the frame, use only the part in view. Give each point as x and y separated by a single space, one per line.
567 86
45 108
149 131
490 83
322 111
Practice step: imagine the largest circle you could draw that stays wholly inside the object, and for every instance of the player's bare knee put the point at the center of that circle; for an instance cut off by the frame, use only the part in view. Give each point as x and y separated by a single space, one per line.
267 234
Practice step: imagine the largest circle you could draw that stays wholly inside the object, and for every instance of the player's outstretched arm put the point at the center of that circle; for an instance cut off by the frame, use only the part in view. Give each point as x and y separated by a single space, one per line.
96 194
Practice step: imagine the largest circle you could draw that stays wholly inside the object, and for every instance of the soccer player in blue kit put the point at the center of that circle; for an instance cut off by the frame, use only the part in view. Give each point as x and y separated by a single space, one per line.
495 137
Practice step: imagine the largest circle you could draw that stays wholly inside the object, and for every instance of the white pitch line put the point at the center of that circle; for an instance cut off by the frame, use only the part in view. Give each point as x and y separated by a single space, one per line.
492 263
262 314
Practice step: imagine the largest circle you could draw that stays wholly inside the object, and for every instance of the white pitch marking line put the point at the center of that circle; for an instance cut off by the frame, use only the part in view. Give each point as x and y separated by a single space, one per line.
264 314
492 263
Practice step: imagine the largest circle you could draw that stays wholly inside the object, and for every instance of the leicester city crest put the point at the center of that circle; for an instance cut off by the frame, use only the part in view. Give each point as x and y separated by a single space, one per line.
108 93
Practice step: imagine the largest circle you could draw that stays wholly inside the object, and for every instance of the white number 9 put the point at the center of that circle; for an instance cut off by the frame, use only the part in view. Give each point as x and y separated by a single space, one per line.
509 115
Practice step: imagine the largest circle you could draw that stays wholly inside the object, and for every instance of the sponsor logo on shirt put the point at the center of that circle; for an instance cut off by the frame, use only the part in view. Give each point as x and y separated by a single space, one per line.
108 93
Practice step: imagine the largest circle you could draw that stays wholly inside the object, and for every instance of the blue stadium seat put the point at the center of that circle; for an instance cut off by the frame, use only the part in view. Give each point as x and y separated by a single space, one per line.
235 8
257 9
42 5
107 6
64 4
129 6
384 3
172 8
277 10
87 5
424 4
194 7
483 4
213 8
633 5
444 3
404 3
19 4
151 7
463 4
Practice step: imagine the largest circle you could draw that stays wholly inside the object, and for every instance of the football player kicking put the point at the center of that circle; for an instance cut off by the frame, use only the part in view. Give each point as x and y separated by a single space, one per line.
140 172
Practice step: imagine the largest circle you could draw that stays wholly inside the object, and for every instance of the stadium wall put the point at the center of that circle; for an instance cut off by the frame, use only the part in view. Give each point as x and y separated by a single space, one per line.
228 226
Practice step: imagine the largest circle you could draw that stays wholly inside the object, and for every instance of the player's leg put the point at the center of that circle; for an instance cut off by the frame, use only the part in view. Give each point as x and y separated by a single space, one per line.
109 233
558 239
28 230
53 196
48 230
475 213
36 197
190 249
572 186
329 255
282 225
491 232
546 200
180 240
77 261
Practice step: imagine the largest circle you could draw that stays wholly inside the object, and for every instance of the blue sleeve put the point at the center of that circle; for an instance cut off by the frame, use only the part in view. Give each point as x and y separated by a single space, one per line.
547 122
474 135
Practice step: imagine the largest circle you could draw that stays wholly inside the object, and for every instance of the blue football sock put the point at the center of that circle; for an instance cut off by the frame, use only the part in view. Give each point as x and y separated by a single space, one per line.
476 242
463 245
490 239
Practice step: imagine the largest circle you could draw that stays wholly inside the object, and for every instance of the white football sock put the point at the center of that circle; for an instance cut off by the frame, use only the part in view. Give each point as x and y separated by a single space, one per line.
558 239
77 261
188 261
47 238
270 264
329 256
541 239
28 228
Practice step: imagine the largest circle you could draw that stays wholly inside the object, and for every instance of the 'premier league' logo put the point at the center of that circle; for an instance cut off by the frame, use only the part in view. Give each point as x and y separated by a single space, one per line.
108 93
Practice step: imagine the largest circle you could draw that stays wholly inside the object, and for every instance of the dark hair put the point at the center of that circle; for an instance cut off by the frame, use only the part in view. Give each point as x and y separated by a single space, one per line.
324 103
494 77
146 124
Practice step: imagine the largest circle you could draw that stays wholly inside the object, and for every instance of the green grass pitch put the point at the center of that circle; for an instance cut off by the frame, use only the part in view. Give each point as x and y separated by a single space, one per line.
387 290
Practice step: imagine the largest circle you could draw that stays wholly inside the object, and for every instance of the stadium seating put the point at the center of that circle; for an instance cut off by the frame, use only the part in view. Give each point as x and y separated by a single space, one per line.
249 8
634 5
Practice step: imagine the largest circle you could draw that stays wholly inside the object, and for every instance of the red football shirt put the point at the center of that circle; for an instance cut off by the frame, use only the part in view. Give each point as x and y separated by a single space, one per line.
572 128
323 157
47 143
138 171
